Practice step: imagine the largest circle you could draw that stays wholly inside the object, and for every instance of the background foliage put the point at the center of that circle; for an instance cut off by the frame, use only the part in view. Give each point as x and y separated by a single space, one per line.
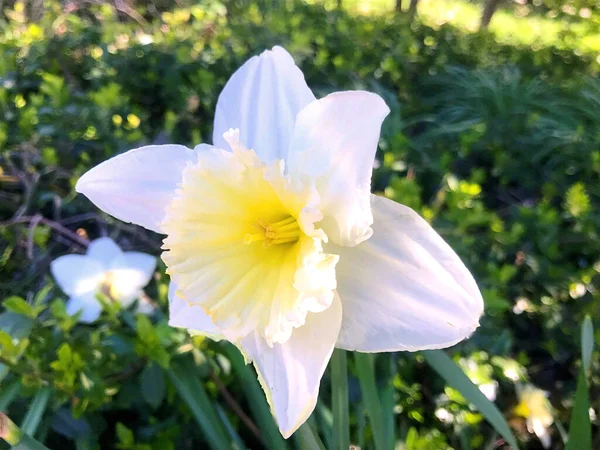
495 141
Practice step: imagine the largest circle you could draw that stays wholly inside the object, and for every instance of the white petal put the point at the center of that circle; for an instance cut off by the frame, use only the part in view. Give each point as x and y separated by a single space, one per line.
262 100
290 373
76 274
130 272
136 186
104 250
182 315
334 141
541 432
405 288
87 304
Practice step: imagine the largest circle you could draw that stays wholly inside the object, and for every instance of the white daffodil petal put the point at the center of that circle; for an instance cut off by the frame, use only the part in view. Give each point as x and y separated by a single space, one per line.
136 186
76 274
104 250
334 142
182 315
129 273
290 373
262 100
404 288
89 306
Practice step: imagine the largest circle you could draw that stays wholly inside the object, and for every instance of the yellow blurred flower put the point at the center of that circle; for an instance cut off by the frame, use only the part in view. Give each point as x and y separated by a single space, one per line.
537 410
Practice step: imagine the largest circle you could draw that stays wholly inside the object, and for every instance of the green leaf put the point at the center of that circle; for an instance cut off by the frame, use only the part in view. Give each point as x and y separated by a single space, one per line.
234 437
18 327
19 306
11 433
365 370
183 376
256 400
9 393
587 343
36 411
153 385
339 400
307 437
7 346
580 430
145 330
125 436
455 377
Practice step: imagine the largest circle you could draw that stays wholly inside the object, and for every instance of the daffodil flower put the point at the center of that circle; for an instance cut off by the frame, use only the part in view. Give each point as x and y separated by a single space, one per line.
537 411
103 269
275 243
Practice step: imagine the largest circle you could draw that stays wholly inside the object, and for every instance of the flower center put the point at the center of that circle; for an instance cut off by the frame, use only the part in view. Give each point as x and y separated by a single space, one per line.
106 285
285 231
242 245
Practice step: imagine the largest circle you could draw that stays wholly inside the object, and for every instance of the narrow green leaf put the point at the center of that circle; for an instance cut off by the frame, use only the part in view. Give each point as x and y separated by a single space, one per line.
36 411
324 423
11 433
365 369
307 437
9 393
580 430
339 400
455 377
192 392
257 400
153 385
587 343
234 438
18 327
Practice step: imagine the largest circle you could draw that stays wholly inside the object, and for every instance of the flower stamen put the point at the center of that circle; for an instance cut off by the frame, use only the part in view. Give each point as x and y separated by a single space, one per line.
284 231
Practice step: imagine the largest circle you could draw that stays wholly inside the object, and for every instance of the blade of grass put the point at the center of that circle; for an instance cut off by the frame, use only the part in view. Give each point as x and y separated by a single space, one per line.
257 400
339 400
36 411
455 377
365 369
192 392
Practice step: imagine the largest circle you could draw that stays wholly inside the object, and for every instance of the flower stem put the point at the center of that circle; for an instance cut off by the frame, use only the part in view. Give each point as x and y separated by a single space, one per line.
339 400
365 369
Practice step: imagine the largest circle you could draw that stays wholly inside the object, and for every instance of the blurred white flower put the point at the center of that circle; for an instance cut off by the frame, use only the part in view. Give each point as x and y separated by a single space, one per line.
489 390
275 243
444 415
512 373
106 269
522 304
577 290
537 410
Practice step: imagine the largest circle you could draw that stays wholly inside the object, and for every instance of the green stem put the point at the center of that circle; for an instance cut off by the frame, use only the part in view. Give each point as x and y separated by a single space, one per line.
339 400
365 370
